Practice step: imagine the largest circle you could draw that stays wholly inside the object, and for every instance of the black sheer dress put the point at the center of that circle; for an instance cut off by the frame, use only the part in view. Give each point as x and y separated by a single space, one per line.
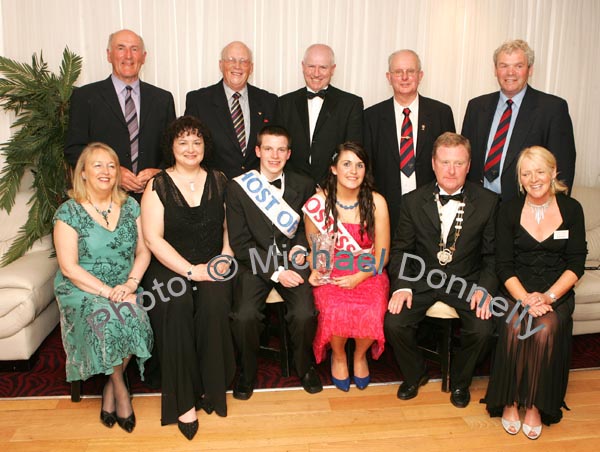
535 370
191 319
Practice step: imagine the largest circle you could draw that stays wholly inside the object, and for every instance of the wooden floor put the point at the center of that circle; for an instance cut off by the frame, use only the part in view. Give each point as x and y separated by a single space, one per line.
332 421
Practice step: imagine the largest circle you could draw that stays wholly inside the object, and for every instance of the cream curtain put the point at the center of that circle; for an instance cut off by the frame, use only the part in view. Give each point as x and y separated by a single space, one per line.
455 39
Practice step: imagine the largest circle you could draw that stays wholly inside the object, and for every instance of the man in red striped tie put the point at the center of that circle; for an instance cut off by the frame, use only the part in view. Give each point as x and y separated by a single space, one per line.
501 124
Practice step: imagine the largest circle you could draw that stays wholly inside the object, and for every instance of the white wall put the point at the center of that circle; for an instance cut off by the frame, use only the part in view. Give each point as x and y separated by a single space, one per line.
455 39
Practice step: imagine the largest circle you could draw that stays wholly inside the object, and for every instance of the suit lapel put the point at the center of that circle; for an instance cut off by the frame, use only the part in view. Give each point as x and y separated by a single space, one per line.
389 129
223 114
430 209
256 117
302 110
109 95
328 107
146 103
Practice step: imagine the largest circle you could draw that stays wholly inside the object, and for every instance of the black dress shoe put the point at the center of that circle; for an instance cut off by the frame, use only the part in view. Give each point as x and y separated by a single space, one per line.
460 397
311 381
188 429
127 423
243 390
407 391
108 419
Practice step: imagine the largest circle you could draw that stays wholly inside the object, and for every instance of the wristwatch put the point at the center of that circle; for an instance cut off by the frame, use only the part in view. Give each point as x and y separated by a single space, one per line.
552 296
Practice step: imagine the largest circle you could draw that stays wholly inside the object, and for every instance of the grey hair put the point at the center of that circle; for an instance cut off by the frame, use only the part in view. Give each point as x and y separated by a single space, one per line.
391 57
513 45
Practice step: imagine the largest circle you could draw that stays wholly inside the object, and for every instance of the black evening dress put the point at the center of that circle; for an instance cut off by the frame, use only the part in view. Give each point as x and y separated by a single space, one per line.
534 371
191 319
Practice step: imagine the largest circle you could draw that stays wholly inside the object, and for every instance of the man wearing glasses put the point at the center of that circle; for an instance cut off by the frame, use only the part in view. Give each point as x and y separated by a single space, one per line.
234 111
400 132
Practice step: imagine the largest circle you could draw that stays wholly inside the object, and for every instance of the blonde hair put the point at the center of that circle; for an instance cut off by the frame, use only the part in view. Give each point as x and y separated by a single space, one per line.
79 191
514 45
542 156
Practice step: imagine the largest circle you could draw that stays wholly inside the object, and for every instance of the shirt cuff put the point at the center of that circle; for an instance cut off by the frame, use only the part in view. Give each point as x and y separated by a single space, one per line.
402 290
276 273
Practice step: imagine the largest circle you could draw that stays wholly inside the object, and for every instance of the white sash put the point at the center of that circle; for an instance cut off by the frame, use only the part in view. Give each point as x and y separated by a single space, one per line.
314 208
269 201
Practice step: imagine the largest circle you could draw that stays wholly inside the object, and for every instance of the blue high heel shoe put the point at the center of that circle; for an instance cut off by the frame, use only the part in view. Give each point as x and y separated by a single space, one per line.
342 385
362 383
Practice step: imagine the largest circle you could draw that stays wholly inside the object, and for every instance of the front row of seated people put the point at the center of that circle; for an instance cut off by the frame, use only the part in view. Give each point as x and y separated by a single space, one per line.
132 285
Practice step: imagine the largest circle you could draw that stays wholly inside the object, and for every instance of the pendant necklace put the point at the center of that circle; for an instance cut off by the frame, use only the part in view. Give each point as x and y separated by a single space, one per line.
103 213
445 255
191 182
346 206
539 210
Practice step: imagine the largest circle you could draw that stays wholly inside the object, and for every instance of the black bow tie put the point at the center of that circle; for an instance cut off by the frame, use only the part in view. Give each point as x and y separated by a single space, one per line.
276 183
445 198
321 94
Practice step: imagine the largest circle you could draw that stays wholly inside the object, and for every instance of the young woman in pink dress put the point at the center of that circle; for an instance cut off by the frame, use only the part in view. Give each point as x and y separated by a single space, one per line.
353 303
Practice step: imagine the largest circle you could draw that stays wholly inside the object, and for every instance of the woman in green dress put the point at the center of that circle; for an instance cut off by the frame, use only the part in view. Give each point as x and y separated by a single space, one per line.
102 257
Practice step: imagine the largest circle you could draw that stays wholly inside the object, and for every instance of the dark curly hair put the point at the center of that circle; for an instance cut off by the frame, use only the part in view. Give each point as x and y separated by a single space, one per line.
365 195
186 125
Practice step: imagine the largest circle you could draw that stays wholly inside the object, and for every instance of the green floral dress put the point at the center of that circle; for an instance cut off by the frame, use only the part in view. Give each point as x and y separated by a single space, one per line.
96 333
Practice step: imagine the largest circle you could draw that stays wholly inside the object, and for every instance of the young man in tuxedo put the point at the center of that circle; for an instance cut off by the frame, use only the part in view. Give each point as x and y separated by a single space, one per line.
501 124
266 231
445 228
319 116
123 112
400 131
233 110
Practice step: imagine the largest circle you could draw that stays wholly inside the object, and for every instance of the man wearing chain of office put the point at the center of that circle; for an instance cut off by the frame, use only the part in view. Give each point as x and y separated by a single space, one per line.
443 249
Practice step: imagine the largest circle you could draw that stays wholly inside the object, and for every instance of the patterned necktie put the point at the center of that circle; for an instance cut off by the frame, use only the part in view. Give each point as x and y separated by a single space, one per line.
491 169
132 125
238 122
407 150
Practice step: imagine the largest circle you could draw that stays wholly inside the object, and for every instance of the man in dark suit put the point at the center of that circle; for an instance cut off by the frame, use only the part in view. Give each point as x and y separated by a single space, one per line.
443 250
98 113
265 226
319 116
216 107
395 169
501 124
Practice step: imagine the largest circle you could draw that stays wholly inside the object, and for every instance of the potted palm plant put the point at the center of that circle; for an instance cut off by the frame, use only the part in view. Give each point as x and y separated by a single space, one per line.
39 100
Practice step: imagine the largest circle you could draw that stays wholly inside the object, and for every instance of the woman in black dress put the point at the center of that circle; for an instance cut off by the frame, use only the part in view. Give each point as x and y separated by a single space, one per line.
183 219
540 255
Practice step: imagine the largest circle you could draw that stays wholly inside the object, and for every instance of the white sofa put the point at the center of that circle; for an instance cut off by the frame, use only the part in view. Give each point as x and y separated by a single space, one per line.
586 318
28 312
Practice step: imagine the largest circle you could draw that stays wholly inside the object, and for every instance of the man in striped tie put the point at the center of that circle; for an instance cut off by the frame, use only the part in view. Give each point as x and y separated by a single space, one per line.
501 124
123 112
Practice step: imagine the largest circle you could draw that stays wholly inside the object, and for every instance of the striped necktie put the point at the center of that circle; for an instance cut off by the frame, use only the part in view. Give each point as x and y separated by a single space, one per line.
132 125
491 169
238 122
407 150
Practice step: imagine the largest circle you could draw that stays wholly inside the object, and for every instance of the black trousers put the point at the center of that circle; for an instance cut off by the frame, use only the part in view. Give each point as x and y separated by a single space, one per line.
401 330
247 314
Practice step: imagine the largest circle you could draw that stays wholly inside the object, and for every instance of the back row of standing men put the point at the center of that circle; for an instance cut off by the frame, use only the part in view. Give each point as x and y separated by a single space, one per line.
398 133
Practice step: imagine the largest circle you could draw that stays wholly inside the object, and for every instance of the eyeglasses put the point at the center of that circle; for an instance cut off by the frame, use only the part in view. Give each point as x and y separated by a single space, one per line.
240 61
410 73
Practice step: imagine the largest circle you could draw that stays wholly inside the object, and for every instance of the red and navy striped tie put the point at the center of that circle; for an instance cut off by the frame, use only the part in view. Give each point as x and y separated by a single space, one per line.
407 150
492 164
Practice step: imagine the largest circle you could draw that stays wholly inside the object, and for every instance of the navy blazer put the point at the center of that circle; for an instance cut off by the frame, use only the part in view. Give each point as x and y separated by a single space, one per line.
96 115
543 120
381 143
210 106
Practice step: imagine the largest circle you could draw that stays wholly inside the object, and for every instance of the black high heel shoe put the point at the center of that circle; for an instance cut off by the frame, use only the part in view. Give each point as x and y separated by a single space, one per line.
188 429
107 418
127 423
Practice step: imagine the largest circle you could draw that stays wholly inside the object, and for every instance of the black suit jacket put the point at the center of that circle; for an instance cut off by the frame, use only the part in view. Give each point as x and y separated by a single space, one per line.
96 115
340 120
418 234
381 143
248 227
210 105
543 120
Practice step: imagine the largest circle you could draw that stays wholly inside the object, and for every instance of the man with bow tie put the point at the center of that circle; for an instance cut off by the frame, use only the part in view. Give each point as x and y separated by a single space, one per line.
266 233
443 250
319 116
400 131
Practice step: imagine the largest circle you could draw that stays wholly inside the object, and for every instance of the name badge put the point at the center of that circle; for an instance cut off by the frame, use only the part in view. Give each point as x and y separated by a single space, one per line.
561 235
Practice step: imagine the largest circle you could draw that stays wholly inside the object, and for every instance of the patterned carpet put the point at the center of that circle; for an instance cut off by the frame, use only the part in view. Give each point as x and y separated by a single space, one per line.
47 377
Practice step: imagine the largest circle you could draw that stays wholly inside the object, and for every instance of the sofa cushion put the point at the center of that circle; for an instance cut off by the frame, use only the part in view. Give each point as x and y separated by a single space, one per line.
587 290
30 271
588 198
